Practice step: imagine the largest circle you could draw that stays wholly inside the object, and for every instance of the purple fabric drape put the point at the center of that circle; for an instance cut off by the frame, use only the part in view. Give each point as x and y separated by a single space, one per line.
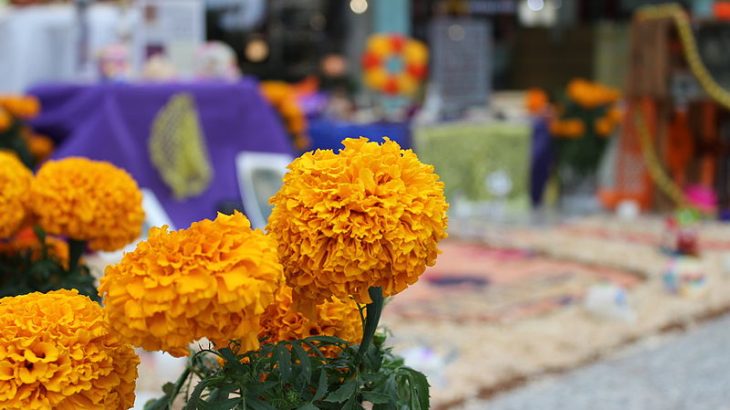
112 122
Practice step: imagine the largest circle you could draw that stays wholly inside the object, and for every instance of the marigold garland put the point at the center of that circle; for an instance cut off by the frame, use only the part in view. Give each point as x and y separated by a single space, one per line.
339 318
88 201
15 182
56 352
282 97
371 215
212 280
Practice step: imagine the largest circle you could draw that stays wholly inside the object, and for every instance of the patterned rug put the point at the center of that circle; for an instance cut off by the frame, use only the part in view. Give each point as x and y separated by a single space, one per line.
475 282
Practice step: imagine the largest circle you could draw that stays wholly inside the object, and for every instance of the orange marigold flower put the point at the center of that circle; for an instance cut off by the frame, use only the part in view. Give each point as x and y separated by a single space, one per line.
212 280
568 128
15 182
20 106
591 95
536 100
41 147
371 215
56 352
5 120
604 126
89 201
339 318
26 240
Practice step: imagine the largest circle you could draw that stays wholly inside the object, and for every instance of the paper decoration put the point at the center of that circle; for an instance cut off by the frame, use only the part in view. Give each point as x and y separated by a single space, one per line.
470 158
177 148
259 178
462 50
394 65
174 29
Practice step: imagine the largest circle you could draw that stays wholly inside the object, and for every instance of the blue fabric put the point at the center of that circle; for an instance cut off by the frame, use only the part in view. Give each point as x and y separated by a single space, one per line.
328 134
541 160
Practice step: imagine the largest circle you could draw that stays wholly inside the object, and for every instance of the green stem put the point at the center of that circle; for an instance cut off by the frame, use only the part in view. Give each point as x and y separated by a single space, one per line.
373 310
75 250
179 385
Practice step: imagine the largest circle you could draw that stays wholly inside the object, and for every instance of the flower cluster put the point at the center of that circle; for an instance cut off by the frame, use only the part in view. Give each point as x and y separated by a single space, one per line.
591 95
15 182
56 351
27 241
88 201
339 318
536 100
283 98
369 216
213 280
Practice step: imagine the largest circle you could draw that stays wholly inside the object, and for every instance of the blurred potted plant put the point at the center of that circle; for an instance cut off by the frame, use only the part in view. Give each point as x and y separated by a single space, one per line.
583 125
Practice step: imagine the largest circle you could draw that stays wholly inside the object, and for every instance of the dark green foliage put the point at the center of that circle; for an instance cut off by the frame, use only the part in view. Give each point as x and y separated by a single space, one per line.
22 273
297 375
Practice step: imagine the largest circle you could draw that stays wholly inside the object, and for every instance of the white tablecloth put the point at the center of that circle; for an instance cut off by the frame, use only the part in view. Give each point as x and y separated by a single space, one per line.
40 44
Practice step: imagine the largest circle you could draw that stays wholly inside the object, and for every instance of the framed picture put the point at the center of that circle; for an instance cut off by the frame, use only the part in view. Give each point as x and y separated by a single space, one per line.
171 28
259 178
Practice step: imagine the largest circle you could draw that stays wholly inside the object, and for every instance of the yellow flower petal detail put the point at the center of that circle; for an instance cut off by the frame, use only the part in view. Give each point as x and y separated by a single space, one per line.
211 280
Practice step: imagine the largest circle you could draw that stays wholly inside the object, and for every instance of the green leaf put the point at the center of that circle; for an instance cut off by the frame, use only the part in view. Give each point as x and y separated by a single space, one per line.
305 366
321 386
283 360
308 406
344 392
376 397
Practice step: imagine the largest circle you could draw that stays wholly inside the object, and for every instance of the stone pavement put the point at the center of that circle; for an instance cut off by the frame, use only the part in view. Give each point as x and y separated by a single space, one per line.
689 371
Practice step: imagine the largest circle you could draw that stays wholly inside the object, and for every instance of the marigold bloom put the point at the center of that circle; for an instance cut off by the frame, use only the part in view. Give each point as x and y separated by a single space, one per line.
591 95
56 352
41 147
20 106
568 128
339 318
26 240
604 126
536 100
5 120
15 182
212 280
89 201
371 215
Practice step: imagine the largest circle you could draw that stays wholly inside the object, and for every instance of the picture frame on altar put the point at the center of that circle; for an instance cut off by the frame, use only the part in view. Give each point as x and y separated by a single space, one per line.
170 29
260 176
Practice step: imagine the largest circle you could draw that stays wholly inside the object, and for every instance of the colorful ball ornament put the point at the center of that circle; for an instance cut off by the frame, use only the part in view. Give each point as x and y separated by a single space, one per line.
394 65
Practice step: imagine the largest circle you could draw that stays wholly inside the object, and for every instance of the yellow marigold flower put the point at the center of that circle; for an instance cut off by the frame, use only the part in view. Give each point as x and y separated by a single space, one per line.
89 201
15 182
371 215
211 280
338 318
5 120
56 352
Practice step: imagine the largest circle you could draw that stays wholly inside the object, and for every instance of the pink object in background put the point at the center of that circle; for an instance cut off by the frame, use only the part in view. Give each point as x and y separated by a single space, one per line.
702 197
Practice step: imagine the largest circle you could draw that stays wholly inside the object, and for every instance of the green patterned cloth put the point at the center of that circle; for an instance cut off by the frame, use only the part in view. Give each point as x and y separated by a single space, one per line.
177 148
465 154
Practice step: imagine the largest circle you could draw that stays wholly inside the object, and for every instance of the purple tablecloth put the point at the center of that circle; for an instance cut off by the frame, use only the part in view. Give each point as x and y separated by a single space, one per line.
112 122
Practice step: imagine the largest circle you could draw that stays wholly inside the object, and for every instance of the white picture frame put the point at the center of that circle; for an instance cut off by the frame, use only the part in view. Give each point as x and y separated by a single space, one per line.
260 176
